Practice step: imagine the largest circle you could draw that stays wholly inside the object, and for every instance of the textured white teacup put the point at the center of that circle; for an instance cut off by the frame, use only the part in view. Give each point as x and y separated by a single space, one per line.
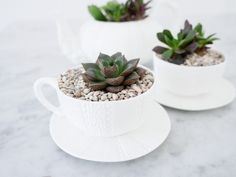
106 119
187 80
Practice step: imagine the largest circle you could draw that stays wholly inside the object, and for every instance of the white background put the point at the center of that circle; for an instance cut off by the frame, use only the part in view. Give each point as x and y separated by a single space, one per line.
12 10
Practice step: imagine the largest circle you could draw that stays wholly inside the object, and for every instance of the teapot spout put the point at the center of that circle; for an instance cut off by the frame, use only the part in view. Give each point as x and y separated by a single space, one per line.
69 44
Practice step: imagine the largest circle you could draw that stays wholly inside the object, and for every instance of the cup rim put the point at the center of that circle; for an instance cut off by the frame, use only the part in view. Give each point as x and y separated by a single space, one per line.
156 57
115 101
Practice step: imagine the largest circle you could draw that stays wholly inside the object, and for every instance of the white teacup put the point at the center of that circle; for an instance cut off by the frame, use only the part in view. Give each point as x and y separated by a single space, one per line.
106 119
187 80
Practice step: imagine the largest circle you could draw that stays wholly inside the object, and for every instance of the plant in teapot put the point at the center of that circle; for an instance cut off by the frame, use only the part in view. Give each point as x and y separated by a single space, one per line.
131 10
111 22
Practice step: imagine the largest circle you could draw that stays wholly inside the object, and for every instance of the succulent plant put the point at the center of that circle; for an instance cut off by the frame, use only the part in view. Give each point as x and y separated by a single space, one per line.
136 9
189 40
118 12
203 41
112 73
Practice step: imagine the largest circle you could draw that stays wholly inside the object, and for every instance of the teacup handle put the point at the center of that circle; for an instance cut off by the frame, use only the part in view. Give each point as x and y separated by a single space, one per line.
38 85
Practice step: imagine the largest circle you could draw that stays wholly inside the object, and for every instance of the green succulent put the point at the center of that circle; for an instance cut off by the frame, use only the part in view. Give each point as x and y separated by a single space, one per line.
136 9
112 73
114 11
201 39
189 40
118 12
97 13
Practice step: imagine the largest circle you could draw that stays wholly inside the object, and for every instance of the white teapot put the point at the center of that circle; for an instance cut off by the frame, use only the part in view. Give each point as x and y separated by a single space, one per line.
133 38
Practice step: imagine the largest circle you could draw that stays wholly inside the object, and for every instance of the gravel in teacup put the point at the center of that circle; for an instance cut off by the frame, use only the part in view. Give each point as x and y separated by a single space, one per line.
210 57
72 84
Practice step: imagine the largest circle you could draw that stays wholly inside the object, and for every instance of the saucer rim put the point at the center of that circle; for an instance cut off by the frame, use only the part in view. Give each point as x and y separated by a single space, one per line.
186 108
164 138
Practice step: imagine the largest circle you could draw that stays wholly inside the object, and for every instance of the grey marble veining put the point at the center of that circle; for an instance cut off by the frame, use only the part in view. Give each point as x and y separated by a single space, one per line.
201 144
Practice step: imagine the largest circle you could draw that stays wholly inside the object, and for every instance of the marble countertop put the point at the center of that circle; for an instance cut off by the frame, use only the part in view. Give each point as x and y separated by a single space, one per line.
201 144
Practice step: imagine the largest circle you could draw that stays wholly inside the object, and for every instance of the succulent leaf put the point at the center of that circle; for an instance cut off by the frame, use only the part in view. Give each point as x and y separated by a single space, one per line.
180 36
131 79
169 42
114 10
159 49
187 27
114 89
110 71
120 62
198 29
168 34
167 54
161 37
115 81
190 36
96 13
140 71
89 65
130 67
94 74
86 78
103 61
116 55
192 47
97 85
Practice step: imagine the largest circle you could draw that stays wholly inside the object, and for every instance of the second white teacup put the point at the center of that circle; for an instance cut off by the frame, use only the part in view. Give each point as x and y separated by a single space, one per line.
187 80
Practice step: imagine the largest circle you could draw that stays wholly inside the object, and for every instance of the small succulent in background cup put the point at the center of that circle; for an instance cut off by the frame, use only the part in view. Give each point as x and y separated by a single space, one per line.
187 65
125 27
103 98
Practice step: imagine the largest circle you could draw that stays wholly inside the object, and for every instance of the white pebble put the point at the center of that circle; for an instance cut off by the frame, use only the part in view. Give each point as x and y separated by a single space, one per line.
114 97
136 88
77 93
95 98
104 97
86 91
122 96
96 93
109 95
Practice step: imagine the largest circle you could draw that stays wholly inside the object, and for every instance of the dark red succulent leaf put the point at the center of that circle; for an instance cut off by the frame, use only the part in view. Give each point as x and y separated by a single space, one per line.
140 71
159 49
114 89
87 78
131 79
187 27
97 85
115 81
192 47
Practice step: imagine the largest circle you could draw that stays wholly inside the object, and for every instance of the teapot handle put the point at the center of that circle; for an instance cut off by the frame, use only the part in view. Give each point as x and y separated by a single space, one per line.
69 44
174 9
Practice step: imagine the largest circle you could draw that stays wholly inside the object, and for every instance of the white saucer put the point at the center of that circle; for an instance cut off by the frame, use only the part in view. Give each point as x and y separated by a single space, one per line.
220 96
120 148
